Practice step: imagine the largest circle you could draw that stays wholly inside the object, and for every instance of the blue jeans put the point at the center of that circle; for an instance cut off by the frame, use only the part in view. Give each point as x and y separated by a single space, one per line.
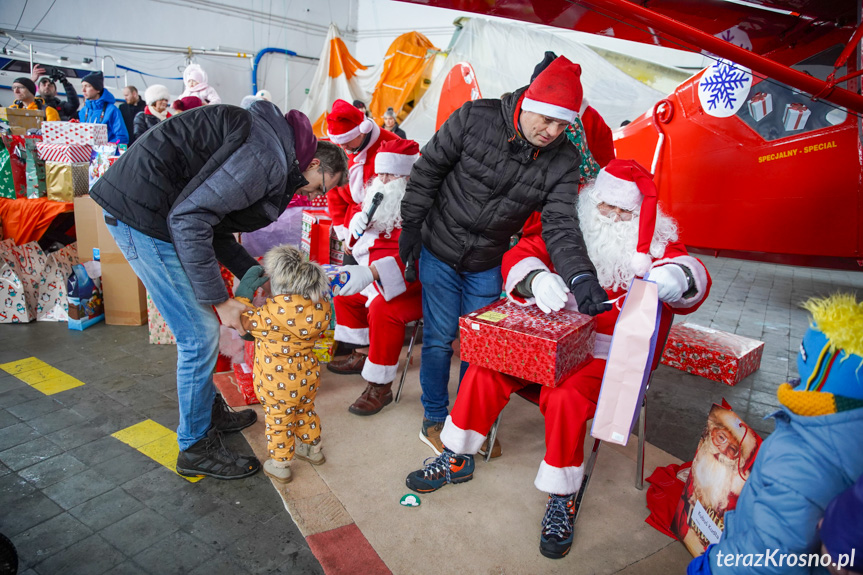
195 326
447 295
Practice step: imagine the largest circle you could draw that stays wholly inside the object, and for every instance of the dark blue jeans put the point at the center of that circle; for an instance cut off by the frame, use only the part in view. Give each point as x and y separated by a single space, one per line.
447 295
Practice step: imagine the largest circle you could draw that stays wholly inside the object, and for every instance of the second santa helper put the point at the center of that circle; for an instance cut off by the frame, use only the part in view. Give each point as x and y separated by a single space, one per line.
376 303
360 138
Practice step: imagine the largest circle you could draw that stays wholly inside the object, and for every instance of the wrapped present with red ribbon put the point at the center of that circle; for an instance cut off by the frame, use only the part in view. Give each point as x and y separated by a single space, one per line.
760 105
69 133
245 381
524 342
315 239
64 153
795 116
711 353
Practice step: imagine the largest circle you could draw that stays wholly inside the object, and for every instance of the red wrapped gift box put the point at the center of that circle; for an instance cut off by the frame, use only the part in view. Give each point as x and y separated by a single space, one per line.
315 241
525 342
711 353
249 353
245 382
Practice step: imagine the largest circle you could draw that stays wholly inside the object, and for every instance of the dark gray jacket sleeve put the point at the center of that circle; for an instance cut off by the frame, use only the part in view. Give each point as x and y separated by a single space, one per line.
231 254
72 103
244 179
562 232
428 173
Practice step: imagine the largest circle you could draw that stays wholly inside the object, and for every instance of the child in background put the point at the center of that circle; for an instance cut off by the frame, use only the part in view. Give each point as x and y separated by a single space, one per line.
195 80
286 372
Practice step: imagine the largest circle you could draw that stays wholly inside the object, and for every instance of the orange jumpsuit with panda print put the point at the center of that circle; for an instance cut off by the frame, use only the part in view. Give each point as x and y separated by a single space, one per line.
286 372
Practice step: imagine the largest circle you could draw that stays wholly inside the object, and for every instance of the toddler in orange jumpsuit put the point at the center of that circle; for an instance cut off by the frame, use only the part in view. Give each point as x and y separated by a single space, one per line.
286 372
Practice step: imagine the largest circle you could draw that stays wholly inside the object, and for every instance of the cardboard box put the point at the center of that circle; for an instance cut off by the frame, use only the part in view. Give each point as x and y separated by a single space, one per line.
86 213
711 353
21 120
125 296
524 342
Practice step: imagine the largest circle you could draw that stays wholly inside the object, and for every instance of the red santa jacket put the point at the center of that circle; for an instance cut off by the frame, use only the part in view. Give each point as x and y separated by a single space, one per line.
381 249
343 201
530 254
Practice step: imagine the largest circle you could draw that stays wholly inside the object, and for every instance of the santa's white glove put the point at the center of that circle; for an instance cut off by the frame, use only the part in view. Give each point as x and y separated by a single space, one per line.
361 278
550 291
359 223
671 282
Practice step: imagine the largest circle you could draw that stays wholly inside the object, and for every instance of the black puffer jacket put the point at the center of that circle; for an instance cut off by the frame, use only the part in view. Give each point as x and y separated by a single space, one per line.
197 178
143 122
478 181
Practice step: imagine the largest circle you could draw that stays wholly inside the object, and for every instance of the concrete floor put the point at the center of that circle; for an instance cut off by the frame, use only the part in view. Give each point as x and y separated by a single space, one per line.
76 500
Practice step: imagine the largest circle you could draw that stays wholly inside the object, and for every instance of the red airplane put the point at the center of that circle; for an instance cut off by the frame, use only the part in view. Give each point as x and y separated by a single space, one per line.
766 165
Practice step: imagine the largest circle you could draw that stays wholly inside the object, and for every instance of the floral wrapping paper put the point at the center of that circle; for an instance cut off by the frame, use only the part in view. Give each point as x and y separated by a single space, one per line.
160 333
526 343
71 133
711 353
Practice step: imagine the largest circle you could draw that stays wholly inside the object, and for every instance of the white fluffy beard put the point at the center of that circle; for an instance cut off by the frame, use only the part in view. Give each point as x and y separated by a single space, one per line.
715 477
611 244
388 216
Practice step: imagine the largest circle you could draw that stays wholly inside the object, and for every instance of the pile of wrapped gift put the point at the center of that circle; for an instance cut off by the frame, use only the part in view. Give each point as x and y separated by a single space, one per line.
60 162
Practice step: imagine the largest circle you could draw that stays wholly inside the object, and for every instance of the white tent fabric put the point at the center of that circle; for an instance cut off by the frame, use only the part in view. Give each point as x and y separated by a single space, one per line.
325 89
504 56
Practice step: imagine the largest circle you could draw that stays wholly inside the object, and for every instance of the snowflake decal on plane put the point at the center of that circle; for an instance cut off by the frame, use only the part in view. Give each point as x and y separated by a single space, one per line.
723 88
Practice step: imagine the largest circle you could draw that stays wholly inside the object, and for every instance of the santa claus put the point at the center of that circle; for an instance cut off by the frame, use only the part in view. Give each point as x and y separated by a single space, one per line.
375 304
360 138
627 236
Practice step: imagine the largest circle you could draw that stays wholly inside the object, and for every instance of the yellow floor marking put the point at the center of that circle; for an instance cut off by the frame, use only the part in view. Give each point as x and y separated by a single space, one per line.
156 442
41 376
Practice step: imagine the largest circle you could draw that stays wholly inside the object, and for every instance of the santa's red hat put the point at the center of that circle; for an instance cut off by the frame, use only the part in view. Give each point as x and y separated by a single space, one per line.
345 123
397 157
556 92
626 184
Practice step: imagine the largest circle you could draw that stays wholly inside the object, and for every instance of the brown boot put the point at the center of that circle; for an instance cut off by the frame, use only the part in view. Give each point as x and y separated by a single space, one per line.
348 364
374 398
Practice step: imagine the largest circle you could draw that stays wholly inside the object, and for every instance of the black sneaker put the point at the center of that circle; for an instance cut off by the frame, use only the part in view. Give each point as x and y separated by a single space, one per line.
210 457
438 471
555 541
226 420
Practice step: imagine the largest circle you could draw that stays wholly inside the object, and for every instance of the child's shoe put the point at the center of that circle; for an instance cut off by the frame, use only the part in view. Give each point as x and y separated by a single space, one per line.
447 467
310 452
278 470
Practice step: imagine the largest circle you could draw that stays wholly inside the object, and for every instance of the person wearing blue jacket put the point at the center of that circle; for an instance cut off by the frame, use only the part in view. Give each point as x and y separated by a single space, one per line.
99 108
813 455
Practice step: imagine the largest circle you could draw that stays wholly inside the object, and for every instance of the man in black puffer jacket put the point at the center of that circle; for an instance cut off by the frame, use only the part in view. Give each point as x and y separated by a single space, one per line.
172 204
492 164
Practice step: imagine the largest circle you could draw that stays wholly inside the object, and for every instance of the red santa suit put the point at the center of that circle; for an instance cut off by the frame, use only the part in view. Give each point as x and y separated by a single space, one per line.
377 315
567 408
343 125
600 140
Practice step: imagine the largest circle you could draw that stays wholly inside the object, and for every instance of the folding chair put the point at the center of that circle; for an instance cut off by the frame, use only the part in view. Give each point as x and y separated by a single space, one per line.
417 325
531 394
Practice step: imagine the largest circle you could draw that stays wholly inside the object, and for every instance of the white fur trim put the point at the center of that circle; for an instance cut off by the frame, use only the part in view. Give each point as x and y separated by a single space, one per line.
617 192
550 110
375 373
558 480
517 273
356 180
366 126
341 232
584 106
392 283
346 137
699 274
641 263
356 336
458 440
398 164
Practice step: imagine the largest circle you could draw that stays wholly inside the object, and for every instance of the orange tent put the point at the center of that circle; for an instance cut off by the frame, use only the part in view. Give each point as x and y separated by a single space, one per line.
403 68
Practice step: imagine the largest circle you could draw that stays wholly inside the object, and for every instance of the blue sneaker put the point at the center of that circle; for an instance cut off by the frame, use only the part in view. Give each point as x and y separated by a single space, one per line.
555 541
438 471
